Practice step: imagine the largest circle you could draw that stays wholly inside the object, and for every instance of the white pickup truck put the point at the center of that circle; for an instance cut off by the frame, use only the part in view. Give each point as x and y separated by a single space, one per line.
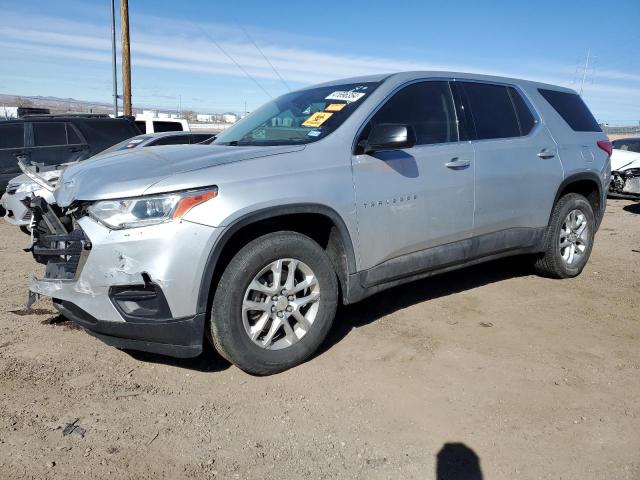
157 124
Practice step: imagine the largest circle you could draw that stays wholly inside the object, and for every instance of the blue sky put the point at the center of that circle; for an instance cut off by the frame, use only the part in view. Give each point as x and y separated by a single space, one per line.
62 48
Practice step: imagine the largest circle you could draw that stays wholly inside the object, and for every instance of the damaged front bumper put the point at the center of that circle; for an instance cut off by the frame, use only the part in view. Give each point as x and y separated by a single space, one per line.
134 289
625 183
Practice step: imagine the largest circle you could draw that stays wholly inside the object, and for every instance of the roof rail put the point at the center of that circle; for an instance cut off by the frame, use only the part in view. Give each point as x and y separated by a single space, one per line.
67 115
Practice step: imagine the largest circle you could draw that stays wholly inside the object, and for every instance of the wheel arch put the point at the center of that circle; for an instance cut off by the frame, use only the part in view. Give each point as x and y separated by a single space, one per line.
338 242
586 184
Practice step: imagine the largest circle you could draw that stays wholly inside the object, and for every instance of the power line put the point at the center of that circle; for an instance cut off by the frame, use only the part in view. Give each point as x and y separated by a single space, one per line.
265 57
236 63
584 72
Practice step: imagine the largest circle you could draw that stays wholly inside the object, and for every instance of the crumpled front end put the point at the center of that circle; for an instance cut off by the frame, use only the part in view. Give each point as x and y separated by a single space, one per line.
625 183
133 288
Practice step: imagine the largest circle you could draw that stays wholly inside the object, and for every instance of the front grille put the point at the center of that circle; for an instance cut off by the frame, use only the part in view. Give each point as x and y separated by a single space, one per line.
63 254
57 242
27 216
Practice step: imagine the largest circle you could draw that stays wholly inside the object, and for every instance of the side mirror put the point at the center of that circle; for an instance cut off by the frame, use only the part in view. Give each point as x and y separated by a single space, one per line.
389 136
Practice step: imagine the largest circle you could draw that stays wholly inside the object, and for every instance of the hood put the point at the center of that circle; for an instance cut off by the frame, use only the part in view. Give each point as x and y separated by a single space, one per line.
622 160
130 173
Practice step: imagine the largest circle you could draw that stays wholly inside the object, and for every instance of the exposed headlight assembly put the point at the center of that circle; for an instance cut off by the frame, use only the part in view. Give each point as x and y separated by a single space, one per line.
151 210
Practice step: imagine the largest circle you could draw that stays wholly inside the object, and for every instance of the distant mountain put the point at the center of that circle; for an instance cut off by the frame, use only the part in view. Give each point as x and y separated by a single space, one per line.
55 104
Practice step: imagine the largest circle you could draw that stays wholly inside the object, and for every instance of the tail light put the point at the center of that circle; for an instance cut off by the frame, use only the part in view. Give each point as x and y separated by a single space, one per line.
606 146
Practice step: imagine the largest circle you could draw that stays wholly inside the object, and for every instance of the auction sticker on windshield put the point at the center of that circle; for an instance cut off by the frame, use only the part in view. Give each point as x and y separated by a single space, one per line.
335 107
349 96
316 119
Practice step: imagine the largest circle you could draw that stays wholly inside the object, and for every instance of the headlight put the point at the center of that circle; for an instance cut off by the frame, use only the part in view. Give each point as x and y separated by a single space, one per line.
28 187
144 211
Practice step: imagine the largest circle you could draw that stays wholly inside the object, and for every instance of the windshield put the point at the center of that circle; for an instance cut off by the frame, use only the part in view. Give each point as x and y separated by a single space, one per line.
298 117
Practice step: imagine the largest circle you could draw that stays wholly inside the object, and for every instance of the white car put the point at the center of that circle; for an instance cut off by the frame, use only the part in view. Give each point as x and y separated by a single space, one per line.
42 182
19 188
625 174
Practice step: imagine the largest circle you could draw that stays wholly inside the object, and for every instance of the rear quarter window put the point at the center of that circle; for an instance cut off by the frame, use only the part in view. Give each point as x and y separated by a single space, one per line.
572 109
12 135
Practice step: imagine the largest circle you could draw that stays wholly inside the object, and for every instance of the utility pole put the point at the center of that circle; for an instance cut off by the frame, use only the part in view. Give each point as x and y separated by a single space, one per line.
113 53
584 72
126 57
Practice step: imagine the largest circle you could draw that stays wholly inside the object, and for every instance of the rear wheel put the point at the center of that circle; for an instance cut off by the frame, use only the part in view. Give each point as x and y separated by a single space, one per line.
274 304
569 238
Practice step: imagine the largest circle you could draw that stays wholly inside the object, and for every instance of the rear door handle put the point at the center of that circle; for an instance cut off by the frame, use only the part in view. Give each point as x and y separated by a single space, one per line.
544 153
457 164
76 149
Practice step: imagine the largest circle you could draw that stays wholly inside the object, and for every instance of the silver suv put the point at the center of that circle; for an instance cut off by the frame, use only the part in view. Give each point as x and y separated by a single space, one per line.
330 193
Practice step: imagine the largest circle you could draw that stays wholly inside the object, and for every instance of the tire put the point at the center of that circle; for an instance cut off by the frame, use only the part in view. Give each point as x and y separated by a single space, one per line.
24 229
231 319
551 262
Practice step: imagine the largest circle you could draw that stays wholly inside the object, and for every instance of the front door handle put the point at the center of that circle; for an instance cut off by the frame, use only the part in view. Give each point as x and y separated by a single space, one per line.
457 164
544 153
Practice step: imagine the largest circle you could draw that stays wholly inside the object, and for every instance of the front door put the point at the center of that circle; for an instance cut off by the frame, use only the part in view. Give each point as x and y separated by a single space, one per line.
411 199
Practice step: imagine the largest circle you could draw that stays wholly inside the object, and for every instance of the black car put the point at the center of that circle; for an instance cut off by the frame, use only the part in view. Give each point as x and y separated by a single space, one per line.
57 139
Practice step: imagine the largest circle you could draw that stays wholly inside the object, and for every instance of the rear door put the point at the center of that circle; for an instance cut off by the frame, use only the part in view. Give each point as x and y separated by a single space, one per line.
411 199
517 163
12 149
54 143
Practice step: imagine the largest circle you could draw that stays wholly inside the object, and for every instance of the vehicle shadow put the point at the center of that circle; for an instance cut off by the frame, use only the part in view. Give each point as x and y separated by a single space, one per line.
208 361
370 310
456 461
632 208
384 303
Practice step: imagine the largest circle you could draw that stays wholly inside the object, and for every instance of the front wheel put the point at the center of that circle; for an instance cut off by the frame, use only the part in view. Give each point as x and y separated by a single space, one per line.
274 304
568 239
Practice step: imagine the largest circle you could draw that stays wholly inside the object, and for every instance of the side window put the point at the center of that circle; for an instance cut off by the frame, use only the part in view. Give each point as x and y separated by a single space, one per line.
525 117
167 126
427 106
12 135
572 109
49 134
171 140
200 137
142 125
493 111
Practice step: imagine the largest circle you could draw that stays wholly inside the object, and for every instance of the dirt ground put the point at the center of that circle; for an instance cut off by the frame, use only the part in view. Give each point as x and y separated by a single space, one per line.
519 376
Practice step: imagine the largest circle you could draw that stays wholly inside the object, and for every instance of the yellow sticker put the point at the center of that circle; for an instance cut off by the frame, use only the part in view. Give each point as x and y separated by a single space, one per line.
316 119
335 107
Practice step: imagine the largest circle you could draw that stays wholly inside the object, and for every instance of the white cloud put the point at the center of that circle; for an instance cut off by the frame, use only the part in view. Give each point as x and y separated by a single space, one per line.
184 46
